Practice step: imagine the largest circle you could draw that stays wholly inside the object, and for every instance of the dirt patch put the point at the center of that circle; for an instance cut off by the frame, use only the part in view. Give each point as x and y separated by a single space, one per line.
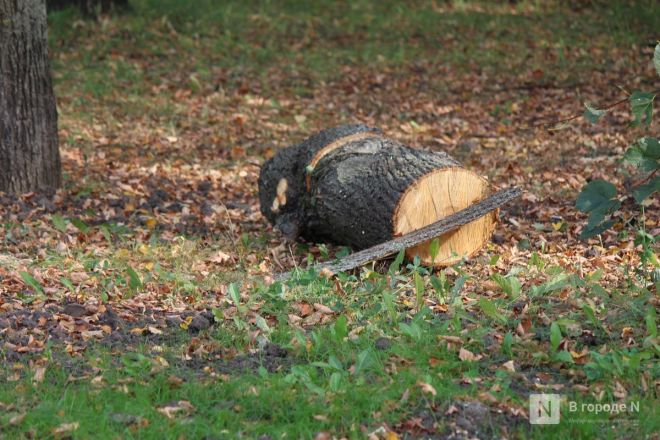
75 326
272 357
461 421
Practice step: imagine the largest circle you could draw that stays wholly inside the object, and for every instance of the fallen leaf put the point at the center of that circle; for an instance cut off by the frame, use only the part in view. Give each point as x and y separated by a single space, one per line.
65 428
174 381
467 356
427 388
509 366
220 258
17 419
391 435
179 407
323 309
39 374
154 330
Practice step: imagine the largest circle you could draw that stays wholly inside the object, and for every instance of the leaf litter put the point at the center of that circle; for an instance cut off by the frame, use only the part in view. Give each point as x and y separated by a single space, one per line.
157 220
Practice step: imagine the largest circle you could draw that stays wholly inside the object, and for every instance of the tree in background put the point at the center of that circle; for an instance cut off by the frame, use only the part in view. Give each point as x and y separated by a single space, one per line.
29 154
89 8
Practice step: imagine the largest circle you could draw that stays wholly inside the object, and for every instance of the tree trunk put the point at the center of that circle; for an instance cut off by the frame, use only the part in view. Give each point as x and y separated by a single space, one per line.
352 186
29 155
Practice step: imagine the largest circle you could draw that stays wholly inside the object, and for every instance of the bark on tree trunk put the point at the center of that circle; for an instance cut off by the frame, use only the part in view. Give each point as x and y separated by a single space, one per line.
29 154
350 185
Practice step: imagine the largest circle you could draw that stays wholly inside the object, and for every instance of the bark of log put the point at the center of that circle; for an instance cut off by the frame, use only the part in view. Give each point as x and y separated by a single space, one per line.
282 181
416 237
350 185
29 154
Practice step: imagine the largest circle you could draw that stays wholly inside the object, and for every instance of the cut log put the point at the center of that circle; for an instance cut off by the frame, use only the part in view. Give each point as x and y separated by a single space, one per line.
350 185
414 238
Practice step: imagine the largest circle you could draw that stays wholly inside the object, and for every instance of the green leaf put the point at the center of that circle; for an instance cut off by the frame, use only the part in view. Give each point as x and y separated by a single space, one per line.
136 364
564 356
507 344
68 284
641 104
419 290
591 316
509 285
656 58
335 363
59 222
106 233
642 192
364 361
439 284
559 282
434 248
602 213
335 381
592 114
81 225
218 316
411 330
458 285
651 326
491 311
396 264
596 229
644 154
32 282
594 195
341 328
555 336
262 324
598 199
235 295
134 281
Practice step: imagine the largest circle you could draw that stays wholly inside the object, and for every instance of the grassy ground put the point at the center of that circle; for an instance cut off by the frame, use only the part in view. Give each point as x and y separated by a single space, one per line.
167 111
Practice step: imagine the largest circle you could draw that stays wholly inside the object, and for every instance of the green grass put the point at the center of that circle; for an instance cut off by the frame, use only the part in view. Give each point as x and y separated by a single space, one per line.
127 69
341 380
292 43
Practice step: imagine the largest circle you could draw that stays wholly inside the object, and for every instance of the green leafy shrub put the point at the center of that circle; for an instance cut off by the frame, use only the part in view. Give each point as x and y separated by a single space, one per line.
600 198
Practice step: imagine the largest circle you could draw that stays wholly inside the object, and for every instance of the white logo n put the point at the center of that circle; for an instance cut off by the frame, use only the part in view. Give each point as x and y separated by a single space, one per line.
544 409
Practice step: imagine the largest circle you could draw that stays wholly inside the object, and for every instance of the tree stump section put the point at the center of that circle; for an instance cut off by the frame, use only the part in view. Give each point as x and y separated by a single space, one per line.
352 186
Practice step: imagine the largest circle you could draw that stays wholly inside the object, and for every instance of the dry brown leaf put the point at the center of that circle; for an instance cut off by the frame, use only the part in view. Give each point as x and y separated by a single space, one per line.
509 366
39 374
176 408
467 356
174 381
220 258
323 309
427 388
65 428
17 419
451 339
154 330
